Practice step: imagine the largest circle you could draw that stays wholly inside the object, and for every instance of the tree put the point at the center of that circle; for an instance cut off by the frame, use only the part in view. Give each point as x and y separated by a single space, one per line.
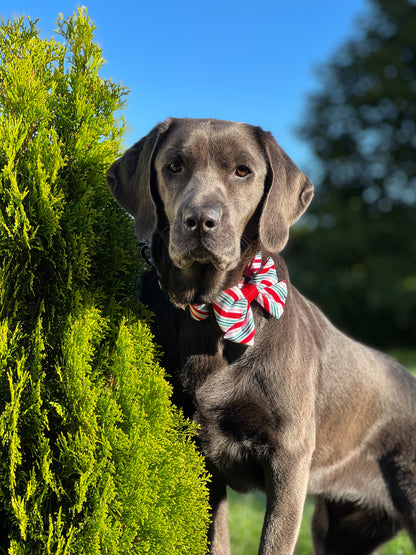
359 262
93 458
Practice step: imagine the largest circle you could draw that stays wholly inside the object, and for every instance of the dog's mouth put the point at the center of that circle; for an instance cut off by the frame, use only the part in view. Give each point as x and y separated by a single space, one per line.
197 276
204 257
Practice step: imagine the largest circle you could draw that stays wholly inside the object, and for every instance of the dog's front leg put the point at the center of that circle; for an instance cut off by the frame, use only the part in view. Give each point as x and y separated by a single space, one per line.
218 533
286 487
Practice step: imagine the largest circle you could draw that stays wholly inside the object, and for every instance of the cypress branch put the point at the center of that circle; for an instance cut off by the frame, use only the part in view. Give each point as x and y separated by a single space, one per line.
93 459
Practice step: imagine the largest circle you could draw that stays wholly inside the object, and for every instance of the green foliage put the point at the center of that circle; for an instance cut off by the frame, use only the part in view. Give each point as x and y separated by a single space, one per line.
93 458
358 262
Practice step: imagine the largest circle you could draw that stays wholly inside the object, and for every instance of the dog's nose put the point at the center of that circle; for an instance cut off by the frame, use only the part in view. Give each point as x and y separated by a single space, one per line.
203 219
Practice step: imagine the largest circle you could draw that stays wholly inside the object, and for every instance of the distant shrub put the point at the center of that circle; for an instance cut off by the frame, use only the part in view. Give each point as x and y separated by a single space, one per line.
93 458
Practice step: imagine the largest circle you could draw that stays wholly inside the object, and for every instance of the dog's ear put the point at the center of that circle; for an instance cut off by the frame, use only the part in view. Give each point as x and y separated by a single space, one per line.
129 181
289 194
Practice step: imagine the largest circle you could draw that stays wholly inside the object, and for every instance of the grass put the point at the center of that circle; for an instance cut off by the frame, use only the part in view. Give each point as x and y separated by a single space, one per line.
246 512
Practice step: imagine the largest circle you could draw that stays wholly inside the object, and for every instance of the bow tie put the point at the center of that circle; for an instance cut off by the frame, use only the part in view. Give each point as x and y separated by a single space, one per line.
232 307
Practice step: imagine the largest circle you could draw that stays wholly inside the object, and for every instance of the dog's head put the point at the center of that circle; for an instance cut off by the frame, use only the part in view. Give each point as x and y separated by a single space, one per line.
211 192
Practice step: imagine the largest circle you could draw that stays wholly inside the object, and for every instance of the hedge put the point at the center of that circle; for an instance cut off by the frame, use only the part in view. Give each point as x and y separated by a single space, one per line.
94 459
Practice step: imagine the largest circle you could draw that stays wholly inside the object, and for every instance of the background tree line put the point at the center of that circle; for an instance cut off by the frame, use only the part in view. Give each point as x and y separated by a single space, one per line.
355 253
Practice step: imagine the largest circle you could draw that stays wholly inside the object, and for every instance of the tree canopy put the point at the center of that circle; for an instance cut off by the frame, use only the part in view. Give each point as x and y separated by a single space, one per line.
356 255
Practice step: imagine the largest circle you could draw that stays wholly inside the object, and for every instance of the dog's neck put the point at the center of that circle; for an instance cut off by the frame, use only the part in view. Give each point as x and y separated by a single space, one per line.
230 305
198 284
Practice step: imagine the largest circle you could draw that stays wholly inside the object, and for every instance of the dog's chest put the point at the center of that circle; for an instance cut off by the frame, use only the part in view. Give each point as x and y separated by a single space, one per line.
218 383
235 417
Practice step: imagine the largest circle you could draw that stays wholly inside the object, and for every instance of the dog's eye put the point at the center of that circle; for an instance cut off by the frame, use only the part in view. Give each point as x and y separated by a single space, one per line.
174 167
242 171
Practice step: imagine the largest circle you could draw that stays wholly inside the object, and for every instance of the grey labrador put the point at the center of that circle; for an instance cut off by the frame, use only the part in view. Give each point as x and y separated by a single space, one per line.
304 409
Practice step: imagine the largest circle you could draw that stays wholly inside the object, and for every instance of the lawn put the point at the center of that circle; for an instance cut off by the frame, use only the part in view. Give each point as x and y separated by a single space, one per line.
246 511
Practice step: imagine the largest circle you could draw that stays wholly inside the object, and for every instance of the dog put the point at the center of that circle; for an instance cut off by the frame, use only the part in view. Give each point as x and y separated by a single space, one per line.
292 406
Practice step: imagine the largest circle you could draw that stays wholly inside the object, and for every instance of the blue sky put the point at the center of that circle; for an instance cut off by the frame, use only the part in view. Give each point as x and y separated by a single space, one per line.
242 60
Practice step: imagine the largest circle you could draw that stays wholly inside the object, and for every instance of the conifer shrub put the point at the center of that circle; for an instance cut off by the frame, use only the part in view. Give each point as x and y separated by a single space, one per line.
93 457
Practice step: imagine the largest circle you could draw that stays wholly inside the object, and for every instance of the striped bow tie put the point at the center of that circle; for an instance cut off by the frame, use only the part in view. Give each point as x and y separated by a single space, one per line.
232 307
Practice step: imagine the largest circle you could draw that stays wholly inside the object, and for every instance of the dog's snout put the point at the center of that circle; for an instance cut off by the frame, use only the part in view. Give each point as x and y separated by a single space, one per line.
202 220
